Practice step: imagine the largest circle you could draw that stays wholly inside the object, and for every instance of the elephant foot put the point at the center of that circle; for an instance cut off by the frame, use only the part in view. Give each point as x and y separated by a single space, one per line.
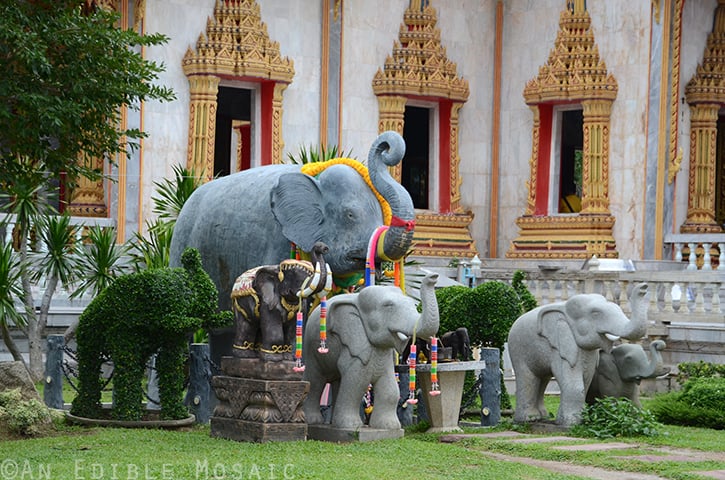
271 357
351 422
244 350
385 423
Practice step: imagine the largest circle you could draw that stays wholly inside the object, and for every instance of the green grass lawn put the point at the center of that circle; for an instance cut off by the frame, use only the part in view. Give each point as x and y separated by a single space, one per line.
95 453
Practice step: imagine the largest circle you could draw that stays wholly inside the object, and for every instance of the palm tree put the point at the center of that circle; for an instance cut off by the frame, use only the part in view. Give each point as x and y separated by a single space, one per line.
100 262
171 194
10 289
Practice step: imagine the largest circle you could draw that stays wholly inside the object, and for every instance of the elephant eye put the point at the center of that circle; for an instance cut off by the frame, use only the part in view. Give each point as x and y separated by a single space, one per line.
388 303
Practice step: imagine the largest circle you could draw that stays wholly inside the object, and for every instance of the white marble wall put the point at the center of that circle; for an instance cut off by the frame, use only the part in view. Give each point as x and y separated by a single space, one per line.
167 124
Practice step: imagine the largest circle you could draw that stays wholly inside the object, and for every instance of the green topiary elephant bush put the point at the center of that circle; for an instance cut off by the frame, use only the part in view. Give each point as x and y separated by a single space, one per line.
152 311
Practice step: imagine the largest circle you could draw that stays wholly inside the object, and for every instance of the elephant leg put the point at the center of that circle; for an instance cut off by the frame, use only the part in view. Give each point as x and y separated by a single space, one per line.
313 415
540 406
88 401
385 414
272 327
128 372
246 337
572 399
290 336
353 386
529 395
170 360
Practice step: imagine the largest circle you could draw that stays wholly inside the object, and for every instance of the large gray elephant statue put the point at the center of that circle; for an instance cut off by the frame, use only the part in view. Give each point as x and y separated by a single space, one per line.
620 371
253 218
363 331
563 340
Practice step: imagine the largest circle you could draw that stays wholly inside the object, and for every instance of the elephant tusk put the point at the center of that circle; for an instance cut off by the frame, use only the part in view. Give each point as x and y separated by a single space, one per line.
403 337
328 280
313 283
611 337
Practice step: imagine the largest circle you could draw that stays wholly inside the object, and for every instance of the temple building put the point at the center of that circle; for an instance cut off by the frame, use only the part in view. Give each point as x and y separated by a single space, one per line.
554 129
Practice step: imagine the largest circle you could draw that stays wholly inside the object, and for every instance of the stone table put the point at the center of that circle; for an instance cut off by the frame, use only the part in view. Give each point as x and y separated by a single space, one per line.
443 409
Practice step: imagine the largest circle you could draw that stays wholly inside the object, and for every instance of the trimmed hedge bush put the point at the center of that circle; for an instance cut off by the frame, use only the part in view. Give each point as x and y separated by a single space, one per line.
152 311
487 311
700 403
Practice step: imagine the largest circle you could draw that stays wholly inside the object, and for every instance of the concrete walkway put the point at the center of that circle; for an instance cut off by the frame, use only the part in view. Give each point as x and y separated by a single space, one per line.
639 453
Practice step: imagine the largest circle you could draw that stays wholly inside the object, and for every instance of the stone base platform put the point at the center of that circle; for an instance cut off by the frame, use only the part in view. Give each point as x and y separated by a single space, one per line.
259 401
246 431
328 433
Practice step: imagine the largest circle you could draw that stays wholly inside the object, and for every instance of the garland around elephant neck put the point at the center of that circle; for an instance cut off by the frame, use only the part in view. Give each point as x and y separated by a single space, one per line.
315 168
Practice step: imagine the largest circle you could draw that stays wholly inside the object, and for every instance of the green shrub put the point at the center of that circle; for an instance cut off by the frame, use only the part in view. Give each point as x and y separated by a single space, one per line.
23 417
688 370
152 311
611 417
700 403
487 311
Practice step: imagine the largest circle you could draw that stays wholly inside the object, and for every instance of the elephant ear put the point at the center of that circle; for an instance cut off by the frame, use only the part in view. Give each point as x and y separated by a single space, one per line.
265 283
297 205
553 325
345 322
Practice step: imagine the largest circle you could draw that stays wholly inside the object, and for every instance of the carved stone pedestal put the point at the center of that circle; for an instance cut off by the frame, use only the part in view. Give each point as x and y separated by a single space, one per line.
259 401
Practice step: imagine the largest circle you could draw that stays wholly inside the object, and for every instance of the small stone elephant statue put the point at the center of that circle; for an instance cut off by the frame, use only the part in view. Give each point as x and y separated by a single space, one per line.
620 371
459 342
266 300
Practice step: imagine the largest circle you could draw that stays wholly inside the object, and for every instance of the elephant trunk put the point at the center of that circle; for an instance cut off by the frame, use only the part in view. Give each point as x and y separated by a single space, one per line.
387 151
655 368
429 321
639 301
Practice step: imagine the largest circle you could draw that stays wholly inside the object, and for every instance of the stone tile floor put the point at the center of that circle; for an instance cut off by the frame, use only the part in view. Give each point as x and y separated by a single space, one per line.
639 453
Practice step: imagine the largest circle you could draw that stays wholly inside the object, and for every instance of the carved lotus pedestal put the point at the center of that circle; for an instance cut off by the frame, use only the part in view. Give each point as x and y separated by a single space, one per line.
259 401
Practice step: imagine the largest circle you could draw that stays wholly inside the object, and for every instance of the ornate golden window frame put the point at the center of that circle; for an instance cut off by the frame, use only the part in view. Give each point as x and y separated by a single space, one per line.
235 46
705 94
573 73
419 69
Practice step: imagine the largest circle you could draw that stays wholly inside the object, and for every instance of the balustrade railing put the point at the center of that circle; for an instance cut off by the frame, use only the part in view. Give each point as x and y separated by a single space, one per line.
676 297
701 251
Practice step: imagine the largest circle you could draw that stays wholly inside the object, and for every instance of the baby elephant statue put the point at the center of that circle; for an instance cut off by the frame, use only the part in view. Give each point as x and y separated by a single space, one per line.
136 316
563 340
266 300
459 343
363 331
619 372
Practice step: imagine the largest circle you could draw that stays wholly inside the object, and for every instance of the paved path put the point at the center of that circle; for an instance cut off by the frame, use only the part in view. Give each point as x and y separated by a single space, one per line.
648 454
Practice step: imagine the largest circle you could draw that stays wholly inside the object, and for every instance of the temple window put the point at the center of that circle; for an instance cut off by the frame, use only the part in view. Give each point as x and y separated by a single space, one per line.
567 213
420 96
247 57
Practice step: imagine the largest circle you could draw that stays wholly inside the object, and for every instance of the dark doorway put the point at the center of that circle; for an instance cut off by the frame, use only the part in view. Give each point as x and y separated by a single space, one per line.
571 161
720 171
416 163
232 104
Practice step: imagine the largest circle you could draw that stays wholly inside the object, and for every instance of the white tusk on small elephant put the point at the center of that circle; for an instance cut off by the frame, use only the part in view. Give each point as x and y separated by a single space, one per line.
328 281
611 337
313 284
403 336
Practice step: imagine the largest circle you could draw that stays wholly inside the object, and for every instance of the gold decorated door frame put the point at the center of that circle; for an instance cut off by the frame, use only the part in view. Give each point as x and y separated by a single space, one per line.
418 70
235 47
705 94
573 74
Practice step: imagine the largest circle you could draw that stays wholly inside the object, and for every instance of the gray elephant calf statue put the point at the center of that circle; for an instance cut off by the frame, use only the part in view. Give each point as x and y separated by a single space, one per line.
563 340
266 300
364 330
619 372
